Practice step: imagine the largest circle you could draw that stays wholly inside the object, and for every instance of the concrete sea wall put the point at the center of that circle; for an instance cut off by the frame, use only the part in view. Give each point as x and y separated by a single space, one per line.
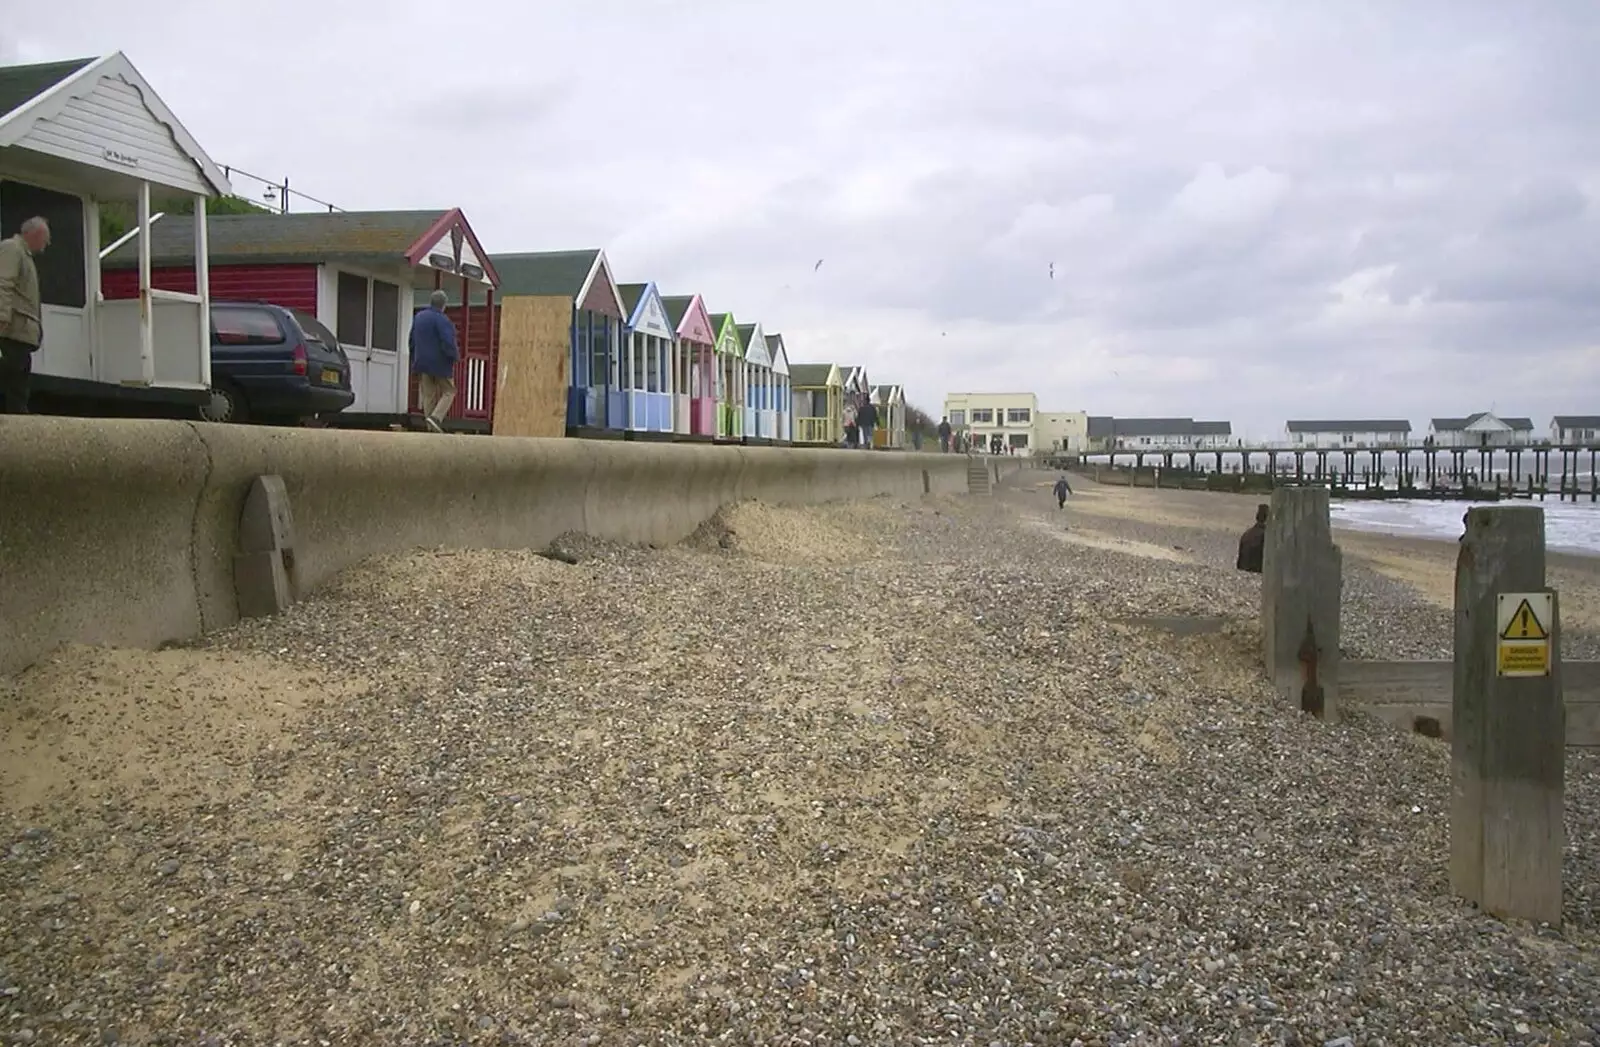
124 532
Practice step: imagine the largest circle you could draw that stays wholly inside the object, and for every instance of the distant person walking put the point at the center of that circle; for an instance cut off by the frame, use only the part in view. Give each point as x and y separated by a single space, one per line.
867 420
433 358
1253 543
851 431
1062 490
944 435
21 322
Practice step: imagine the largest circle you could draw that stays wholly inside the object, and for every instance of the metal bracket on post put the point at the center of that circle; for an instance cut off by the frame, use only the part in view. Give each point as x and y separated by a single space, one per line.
1301 587
263 568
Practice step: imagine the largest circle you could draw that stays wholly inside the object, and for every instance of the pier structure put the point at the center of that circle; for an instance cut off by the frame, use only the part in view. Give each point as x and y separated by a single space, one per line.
1531 471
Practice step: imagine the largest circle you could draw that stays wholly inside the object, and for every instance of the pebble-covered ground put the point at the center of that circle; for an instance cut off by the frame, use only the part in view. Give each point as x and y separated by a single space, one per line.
877 773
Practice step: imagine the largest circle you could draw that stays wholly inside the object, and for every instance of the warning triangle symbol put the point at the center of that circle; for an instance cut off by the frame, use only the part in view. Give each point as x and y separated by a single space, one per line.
1524 625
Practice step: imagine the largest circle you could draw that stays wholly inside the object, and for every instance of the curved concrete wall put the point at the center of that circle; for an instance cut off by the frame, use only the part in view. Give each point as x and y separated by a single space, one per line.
123 532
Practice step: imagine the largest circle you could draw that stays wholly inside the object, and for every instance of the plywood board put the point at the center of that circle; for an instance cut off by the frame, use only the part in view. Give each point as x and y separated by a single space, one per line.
531 393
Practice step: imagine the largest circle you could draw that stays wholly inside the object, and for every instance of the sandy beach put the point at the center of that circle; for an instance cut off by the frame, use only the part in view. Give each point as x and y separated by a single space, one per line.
1428 565
885 772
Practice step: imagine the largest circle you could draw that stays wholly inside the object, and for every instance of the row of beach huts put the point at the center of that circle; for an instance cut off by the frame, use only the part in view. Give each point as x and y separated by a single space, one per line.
553 342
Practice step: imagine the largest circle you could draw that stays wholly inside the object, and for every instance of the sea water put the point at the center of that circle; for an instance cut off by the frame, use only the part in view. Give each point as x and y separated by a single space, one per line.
1572 527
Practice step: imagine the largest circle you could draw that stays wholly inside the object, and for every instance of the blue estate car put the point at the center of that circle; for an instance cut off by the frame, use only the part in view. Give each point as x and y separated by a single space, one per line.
273 364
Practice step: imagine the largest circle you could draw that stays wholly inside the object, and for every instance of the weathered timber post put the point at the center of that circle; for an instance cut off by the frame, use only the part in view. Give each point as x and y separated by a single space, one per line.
263 568
1301 582
1508 750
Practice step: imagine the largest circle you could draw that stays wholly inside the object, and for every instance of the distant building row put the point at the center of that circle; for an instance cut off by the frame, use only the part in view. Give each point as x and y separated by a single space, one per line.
1482 430
1023 427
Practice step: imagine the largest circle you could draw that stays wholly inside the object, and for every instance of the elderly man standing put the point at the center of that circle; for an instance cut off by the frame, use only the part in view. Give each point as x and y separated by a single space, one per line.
21 329
433 360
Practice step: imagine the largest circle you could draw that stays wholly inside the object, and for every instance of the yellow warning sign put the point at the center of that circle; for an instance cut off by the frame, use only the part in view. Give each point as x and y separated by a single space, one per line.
1524 659
1524 621
1524 624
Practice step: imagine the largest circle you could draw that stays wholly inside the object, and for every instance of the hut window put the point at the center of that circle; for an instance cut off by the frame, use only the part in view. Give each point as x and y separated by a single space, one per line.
600 370
385 315
351 313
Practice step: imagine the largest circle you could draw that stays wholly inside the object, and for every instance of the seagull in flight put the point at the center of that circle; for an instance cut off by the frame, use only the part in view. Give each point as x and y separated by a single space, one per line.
817 266
1052 270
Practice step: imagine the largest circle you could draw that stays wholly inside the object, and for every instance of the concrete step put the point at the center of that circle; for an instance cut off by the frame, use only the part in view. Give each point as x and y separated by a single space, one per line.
978 478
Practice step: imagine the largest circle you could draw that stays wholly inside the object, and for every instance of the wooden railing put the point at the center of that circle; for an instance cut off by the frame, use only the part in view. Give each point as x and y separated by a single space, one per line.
813 430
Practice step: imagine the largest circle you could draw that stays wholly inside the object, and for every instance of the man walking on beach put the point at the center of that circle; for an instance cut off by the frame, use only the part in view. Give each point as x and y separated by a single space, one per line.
21 323
944 435
433 358
1062 490
1253 543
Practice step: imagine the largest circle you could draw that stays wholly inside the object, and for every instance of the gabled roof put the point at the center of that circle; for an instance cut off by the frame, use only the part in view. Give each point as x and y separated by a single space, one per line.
753 342
686 312
20 84
644 311
286 238
1446 425
677 307
580 276
727 331
810 376
1165 427
31 93
1151 426
778 354
1358 425
886 394
1577 421
546 273
451 245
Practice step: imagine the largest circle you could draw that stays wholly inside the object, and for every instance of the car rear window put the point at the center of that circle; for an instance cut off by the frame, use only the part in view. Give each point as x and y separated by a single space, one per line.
315 331
246 327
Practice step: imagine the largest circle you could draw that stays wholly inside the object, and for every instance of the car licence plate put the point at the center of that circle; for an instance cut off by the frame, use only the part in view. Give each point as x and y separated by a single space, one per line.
330 377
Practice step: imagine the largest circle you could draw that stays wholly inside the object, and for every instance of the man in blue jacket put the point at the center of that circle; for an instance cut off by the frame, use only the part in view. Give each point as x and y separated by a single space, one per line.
433 360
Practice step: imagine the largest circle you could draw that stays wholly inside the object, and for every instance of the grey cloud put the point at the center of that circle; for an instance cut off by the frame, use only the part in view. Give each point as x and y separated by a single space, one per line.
1256 209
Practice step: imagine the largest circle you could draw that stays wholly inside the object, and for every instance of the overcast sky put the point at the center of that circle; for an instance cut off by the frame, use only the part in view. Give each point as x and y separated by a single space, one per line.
1254 211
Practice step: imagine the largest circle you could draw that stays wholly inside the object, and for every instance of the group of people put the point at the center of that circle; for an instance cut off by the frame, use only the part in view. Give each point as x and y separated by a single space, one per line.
951 439
860 420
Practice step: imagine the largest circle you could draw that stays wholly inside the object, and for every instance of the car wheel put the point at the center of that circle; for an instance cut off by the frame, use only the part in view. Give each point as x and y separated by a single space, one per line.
226 404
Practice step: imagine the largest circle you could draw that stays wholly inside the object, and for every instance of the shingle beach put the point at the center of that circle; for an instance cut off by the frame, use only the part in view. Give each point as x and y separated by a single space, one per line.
890 772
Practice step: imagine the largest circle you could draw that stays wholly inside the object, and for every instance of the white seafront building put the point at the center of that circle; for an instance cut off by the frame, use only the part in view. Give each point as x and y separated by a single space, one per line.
1348 434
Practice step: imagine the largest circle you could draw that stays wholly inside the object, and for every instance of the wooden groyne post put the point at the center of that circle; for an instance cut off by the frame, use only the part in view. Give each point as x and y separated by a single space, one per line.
1301 584
1508 757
